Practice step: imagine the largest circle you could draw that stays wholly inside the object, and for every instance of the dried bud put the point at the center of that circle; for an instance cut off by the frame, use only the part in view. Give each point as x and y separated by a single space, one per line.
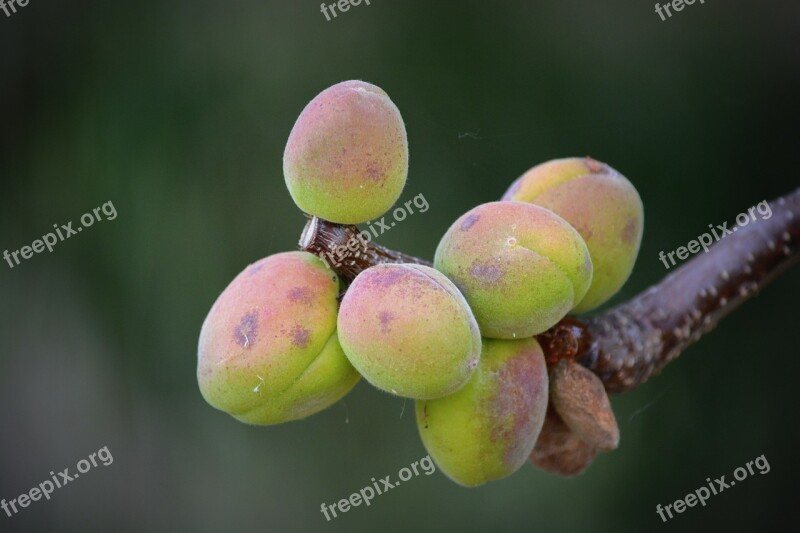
580 399
560 451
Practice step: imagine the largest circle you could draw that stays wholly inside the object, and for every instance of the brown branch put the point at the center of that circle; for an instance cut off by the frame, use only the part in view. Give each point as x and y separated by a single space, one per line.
346 251
633 341
638 338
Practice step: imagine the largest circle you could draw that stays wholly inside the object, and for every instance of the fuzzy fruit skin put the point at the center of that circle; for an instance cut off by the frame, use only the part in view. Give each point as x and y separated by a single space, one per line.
268 350
408 331
520 266
346 159
487 430
602 205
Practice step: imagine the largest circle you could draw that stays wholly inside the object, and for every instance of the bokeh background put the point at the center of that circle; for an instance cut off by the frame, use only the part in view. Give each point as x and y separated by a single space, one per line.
178 112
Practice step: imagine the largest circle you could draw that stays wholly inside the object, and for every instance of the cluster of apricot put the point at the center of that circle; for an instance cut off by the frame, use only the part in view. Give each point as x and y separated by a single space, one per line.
458 338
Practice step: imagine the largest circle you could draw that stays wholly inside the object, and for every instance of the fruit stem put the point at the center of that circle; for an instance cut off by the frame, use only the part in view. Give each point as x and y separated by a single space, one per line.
345 249
627 344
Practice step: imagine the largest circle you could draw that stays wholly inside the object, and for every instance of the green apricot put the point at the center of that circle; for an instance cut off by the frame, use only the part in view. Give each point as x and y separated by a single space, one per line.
602 205
487 430
346 159
521 267
268 350
408 331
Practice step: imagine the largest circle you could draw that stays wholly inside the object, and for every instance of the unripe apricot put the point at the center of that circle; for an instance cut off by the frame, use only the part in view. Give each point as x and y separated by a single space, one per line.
408 331
520 266
268 350
602 205
346 159
486 430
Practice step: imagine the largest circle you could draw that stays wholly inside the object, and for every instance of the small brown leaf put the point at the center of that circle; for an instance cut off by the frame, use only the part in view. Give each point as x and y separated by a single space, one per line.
580 399
559 450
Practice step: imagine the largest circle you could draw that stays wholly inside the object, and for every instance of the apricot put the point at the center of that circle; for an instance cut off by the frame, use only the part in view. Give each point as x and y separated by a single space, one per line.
602 205
520 266
487 430
408 330
268 350
346 159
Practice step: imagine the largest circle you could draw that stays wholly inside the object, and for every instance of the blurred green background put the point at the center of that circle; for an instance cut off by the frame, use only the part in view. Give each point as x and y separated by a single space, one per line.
178 112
